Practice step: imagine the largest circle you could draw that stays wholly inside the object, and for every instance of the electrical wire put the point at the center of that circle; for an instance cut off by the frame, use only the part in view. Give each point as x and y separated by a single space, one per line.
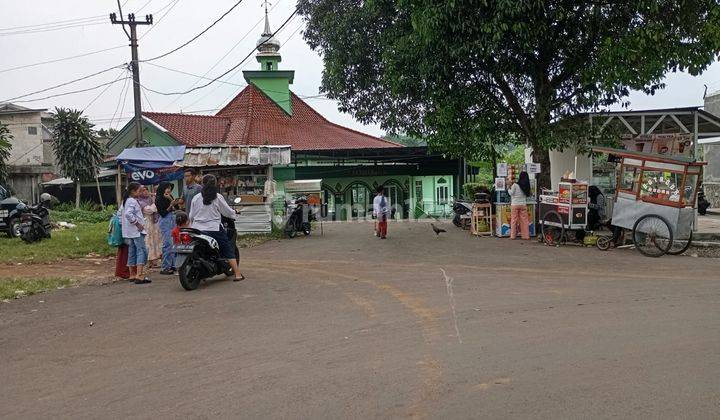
120 99
191 74
146 98
232 68
103 91
196 36
63 84
121 18
56 23
70 93
172 5
124 100
51 29
57 60
220 60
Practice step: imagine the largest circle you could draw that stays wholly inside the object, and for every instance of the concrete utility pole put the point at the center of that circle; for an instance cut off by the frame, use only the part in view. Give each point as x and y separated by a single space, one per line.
135 66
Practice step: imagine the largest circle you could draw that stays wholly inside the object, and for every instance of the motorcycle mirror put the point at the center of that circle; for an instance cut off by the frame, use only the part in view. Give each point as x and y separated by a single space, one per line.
237 200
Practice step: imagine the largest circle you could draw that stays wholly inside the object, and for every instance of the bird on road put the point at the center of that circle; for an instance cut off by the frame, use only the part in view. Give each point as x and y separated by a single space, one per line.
437 230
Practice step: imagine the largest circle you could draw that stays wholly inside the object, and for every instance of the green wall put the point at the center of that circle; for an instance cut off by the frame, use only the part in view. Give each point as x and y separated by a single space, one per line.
152 135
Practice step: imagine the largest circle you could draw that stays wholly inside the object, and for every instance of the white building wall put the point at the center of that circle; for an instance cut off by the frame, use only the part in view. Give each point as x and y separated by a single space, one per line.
27 148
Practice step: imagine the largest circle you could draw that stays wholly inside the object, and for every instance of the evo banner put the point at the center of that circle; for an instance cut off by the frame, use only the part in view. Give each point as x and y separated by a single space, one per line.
148 175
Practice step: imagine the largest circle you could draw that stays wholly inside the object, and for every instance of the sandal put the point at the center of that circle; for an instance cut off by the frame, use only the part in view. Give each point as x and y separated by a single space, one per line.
143 281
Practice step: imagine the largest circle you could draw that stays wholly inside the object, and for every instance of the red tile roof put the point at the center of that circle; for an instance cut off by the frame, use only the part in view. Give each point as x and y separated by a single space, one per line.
252 118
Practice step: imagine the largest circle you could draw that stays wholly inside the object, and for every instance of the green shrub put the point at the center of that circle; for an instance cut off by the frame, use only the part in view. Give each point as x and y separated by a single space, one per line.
60 214
471 188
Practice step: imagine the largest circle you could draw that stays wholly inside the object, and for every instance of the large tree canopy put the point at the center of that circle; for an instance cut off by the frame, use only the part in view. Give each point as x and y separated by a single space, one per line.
468 73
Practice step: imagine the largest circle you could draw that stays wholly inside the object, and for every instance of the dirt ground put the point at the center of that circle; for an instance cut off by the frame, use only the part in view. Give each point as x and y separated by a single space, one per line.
346 325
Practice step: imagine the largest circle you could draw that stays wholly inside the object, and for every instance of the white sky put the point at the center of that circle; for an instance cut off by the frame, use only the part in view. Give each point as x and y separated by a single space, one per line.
185 19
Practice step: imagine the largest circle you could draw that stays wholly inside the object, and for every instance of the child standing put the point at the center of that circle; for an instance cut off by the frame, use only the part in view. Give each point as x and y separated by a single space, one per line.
381 211
133 229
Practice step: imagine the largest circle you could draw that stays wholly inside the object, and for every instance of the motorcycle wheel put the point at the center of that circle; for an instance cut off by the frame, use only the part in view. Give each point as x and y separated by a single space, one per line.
189 275
456 221
290 229
306 229
15 229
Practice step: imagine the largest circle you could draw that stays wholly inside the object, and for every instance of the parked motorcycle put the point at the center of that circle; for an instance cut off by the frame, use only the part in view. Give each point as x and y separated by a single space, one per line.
200 258
35 220
463 214
299 219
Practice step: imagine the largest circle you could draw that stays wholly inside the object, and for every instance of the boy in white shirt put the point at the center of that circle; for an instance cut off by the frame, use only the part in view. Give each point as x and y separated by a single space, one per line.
381 210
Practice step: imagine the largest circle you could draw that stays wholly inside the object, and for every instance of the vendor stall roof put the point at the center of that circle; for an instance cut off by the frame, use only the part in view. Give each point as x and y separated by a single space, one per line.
236 156
649 156
153 154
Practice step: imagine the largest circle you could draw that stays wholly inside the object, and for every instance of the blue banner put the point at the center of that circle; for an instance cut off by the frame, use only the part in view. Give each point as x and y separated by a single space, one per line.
149 175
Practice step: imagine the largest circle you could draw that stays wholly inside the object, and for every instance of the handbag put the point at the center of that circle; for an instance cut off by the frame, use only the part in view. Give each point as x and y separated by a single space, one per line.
115 237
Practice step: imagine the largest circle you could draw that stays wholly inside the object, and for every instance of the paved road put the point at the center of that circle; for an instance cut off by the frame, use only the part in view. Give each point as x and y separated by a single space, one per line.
348 326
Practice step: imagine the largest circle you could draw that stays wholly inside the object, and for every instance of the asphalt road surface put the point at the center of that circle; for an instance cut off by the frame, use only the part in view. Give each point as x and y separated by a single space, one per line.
348 326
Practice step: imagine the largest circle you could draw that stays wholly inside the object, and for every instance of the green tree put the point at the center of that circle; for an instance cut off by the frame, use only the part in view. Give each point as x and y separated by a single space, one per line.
5 148
76 147
466 74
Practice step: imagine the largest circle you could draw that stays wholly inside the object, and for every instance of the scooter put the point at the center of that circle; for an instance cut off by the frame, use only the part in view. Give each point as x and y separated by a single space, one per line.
300 218
200 258
35 220
463 213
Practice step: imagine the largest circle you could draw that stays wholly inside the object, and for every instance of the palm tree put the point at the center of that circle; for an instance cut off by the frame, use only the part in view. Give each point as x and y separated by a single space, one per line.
76 147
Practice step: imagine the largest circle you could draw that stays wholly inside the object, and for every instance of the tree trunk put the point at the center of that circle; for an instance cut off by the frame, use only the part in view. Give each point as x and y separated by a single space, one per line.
97 183
77 194
543 178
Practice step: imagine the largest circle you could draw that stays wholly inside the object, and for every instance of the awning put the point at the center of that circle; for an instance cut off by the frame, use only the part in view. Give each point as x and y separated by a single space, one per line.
167 154
152 165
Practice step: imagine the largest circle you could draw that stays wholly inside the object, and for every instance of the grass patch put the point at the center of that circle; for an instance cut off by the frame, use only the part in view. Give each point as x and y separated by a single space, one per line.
254 239
12 288
71 243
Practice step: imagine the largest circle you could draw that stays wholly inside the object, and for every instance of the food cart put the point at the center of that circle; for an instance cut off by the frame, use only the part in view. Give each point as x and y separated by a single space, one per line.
563 210
656 199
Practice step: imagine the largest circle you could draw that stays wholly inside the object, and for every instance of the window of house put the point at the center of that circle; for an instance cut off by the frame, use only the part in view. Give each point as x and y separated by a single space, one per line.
268 65
32 131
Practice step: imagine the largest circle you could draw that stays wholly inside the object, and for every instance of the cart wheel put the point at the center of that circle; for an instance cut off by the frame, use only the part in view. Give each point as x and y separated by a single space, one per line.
603 242
680 246
652 235
552 235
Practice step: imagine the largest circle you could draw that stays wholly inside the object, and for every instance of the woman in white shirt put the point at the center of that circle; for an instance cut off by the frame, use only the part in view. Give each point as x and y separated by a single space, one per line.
206 212
519 192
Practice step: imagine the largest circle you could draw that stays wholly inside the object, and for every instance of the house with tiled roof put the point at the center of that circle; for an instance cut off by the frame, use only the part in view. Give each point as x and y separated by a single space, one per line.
350 163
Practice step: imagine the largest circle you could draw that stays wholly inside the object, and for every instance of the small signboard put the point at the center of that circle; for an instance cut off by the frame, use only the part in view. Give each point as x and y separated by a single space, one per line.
532 168
500 184
502 169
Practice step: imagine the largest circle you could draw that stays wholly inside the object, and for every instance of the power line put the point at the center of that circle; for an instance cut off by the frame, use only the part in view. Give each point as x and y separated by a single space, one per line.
191 74
62 84
70 93
61 59
123 103
232 68
121 16
51 24
172 5
146 98
103 91
198 35
120 99
51 29
220 60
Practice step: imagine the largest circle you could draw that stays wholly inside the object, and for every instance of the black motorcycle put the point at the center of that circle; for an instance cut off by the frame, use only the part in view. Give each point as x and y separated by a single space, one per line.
299 219
200 259
35 220
463 213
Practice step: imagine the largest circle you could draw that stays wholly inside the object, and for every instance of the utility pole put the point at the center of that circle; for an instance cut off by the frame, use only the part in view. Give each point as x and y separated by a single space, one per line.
135 66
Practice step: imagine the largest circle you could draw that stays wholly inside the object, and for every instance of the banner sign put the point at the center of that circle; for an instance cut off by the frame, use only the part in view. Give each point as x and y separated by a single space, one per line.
149 176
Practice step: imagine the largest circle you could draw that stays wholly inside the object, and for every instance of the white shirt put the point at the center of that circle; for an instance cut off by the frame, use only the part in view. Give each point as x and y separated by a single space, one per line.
208 217
517 196
378 209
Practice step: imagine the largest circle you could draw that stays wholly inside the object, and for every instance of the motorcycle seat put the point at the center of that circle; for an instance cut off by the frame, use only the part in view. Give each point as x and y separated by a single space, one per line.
191 230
